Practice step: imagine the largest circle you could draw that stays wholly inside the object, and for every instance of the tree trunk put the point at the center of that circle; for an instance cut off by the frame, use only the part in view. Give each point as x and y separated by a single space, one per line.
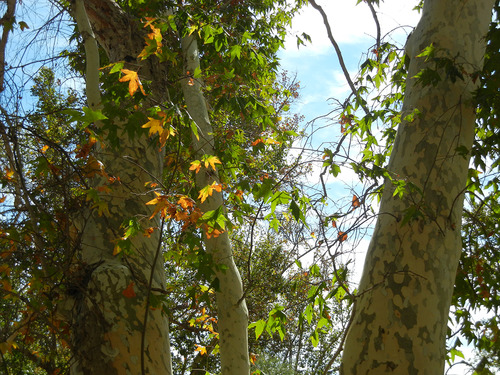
401 312
231 307
115 331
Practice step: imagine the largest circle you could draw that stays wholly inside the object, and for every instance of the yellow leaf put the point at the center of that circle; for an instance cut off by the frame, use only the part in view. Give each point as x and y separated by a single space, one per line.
212 160
155 200
133 81
154 125
271 141
205 193
195 166
44 149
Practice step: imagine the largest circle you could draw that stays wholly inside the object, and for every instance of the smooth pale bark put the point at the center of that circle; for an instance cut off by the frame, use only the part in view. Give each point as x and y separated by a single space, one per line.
115 333
402 307
231 306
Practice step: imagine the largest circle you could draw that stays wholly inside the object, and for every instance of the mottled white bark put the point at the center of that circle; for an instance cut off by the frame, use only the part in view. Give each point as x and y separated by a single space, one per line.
111 333
231 306
402 307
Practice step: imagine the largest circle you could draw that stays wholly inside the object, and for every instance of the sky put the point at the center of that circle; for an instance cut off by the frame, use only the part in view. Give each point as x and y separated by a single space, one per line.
317 69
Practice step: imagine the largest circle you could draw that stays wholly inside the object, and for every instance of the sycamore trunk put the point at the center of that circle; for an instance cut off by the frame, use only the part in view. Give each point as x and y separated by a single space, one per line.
401 312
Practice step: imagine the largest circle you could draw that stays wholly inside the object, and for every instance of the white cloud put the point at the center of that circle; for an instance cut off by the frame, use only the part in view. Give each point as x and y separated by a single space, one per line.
350 24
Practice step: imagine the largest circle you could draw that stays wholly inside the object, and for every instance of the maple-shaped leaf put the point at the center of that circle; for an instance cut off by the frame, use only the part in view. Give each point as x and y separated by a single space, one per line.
205 193
195 166
154 125
162 205
201 349
185 202
133 81
208 191
270 141
212 160
129 290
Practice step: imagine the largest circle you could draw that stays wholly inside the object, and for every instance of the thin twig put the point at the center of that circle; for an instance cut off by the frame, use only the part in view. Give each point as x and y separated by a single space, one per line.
375 18
338 52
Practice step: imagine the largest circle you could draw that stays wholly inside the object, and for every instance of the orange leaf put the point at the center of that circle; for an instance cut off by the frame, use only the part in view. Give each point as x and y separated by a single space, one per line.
253 358
148 232
3 199
133 81
214 233
355 201
257 141
201 349
334 224
129 290
195 166
181 216
342 236
185 202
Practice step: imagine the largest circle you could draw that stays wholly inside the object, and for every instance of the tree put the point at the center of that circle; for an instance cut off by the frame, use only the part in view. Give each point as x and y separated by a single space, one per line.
401 310
112 291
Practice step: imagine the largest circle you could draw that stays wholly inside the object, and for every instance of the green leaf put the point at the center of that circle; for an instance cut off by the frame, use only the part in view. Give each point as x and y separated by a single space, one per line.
235 51
259 325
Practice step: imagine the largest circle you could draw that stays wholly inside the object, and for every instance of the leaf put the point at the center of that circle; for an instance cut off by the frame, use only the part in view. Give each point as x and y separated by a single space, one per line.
23 25
3 199
133 81
235 51
342 236
208 191
355 202
205 193
129 290
212 160
154 125
194 129
259 327
185 202
201 349
195 166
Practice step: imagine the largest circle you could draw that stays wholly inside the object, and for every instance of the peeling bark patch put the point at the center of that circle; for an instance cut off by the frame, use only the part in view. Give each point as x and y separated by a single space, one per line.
387 365
379 340
406 344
